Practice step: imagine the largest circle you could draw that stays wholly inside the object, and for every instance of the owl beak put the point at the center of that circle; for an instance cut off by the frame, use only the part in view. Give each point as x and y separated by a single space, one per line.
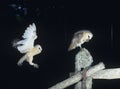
87 40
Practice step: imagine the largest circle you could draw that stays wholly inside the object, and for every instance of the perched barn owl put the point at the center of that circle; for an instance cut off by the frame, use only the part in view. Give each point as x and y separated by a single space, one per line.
80 38
26 46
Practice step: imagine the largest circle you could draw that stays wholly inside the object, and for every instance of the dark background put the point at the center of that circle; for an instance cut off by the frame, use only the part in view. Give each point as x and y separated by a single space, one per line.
56 21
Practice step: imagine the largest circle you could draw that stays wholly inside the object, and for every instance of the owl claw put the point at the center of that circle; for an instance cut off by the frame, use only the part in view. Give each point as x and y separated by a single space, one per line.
36 65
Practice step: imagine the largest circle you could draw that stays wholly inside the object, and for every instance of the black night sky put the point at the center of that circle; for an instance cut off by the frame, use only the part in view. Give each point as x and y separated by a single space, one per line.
56 21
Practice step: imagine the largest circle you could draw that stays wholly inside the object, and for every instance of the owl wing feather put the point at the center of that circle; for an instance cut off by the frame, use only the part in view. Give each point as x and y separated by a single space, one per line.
29 37
75 40
30 31
72 44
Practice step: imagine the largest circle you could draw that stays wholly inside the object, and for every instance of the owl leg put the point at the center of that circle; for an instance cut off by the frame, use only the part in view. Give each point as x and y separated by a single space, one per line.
31 63
22 60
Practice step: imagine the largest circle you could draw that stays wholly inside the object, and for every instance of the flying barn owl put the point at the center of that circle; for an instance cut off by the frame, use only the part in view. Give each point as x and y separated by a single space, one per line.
79 38
26 46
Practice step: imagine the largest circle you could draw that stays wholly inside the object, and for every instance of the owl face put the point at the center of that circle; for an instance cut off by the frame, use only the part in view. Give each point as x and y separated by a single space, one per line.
89 36
38 48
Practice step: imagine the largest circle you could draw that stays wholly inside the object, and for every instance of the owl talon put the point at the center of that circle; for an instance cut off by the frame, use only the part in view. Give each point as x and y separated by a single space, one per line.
36 65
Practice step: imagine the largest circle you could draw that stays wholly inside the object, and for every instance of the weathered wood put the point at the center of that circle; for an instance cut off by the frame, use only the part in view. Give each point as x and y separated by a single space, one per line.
83 59
89 83
107 74
95 69
76 78
67 82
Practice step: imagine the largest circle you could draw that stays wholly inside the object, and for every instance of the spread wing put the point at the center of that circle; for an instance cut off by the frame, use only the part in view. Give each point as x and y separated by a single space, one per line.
29 37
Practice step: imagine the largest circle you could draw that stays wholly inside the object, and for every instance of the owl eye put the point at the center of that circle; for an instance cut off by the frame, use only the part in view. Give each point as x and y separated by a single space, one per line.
89 36
39 48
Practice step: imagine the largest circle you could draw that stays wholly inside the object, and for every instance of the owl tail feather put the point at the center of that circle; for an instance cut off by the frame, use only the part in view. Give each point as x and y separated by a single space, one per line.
72 46
14 43
22 60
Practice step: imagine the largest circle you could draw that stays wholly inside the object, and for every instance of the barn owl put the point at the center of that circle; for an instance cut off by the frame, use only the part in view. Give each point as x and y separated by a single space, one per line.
79 38
26 46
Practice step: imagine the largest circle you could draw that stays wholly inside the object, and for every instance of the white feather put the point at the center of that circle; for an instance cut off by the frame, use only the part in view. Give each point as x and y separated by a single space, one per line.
30 31
29 37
